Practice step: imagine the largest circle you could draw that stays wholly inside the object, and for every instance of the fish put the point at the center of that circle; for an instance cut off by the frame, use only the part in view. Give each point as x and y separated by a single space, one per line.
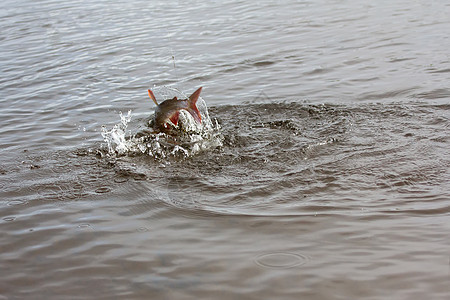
169 110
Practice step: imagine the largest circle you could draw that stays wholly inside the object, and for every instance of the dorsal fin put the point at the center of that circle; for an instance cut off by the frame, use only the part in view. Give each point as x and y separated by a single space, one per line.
152 96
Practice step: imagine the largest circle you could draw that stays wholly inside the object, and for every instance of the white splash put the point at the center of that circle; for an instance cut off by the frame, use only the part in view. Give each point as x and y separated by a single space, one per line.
191 139
116 137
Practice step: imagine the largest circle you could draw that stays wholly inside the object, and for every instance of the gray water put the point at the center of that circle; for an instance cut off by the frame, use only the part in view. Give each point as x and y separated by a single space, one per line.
329 181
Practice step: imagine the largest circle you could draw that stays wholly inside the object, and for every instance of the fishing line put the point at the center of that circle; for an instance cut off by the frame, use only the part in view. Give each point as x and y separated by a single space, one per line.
174 66
172 51
171 89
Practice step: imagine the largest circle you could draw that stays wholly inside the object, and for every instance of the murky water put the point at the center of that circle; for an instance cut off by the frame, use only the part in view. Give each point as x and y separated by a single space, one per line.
325 175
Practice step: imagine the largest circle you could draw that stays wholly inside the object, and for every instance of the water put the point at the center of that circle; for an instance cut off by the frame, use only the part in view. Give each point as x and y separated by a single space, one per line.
328 177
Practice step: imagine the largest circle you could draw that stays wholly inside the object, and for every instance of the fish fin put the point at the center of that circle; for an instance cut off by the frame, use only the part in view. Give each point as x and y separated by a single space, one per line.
192 107
174 118
152 96
194 97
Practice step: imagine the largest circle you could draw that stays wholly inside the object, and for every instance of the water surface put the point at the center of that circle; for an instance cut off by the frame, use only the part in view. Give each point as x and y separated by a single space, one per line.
330 180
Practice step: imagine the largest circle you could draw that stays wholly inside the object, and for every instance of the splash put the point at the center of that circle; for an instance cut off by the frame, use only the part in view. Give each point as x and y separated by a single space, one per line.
190 138
116 137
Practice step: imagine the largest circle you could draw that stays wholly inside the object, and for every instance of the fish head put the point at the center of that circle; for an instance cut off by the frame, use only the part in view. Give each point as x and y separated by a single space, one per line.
167 112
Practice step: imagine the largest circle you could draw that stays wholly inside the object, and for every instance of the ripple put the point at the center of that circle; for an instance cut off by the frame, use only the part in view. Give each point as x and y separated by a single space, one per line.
362 169
139 177
103 190
17 202
281 260
120 179
84 226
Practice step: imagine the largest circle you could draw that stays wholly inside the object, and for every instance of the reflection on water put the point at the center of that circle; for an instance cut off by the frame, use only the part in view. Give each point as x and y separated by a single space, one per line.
329 179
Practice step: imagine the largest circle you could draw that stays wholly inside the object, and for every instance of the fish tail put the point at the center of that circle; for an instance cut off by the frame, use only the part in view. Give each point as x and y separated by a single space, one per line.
192 105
